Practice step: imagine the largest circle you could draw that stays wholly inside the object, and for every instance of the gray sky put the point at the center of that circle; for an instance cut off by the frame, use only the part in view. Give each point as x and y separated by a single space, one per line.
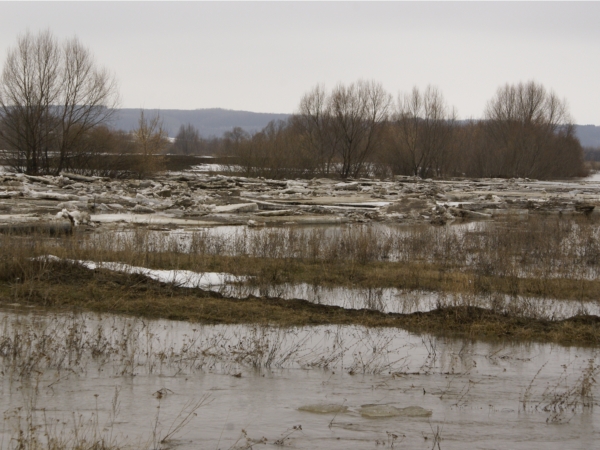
264 56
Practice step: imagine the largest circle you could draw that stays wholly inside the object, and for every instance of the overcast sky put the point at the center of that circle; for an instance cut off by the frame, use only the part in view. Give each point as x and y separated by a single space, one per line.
263 56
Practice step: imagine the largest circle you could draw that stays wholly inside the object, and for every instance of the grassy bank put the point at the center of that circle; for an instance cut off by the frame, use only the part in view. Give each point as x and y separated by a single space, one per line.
376 274
543 257
66 286
550 258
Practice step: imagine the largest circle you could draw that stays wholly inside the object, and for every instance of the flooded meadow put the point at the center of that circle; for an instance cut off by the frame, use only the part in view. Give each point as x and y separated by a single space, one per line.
136 383
200 311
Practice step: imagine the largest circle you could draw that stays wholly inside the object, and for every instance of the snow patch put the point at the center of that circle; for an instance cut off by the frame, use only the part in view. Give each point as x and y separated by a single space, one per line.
180 278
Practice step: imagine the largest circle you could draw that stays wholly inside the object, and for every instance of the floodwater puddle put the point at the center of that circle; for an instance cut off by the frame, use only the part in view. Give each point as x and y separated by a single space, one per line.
388 300
402 301
164 384
257 241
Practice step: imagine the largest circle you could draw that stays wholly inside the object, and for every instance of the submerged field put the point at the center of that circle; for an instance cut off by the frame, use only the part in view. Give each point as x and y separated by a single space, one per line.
534 279
103 381
356 335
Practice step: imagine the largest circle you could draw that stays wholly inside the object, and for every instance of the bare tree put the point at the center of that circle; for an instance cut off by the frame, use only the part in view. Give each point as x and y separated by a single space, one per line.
522 121
51 95
314 124
233 140
187 141
358 114
236 135
423 129
337 131
150 140
107 152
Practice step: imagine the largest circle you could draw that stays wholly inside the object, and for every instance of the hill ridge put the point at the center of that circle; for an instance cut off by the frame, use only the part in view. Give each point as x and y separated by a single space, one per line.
213 122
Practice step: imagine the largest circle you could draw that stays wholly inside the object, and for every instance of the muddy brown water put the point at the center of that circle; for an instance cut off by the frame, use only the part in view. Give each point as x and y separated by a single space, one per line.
481 395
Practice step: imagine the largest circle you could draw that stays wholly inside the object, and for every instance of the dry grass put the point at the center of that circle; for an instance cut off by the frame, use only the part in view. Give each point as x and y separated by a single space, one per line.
68 286
571 393
545 257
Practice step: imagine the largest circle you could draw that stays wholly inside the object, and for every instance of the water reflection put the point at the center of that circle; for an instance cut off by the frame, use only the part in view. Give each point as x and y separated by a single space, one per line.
392 300
481 395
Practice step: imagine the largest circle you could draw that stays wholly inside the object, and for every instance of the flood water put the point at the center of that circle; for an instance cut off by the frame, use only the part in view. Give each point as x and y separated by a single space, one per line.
242 239
387 300
402 301
278 242
64 369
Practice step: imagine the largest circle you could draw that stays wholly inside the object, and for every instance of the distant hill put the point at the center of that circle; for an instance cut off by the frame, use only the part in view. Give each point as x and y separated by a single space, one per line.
214 122
209 122
589 135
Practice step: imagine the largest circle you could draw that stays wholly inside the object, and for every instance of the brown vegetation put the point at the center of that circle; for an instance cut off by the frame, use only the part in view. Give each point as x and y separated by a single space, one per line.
150 142
547 257
55 105
353 131
52 96
543 257
421 136
68 286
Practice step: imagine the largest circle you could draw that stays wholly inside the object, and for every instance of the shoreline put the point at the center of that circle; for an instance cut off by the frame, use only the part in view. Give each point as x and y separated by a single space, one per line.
103 291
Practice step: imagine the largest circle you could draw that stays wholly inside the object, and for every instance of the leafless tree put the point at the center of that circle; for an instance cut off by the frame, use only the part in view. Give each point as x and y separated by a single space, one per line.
51 95
358 114
234 140
150 141
187 141
527 132
236 135
422 132
106 152
523 121
342 129
275 152
314 124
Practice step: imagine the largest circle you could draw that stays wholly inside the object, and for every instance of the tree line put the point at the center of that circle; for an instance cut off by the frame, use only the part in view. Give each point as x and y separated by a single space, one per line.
358 129
56 104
